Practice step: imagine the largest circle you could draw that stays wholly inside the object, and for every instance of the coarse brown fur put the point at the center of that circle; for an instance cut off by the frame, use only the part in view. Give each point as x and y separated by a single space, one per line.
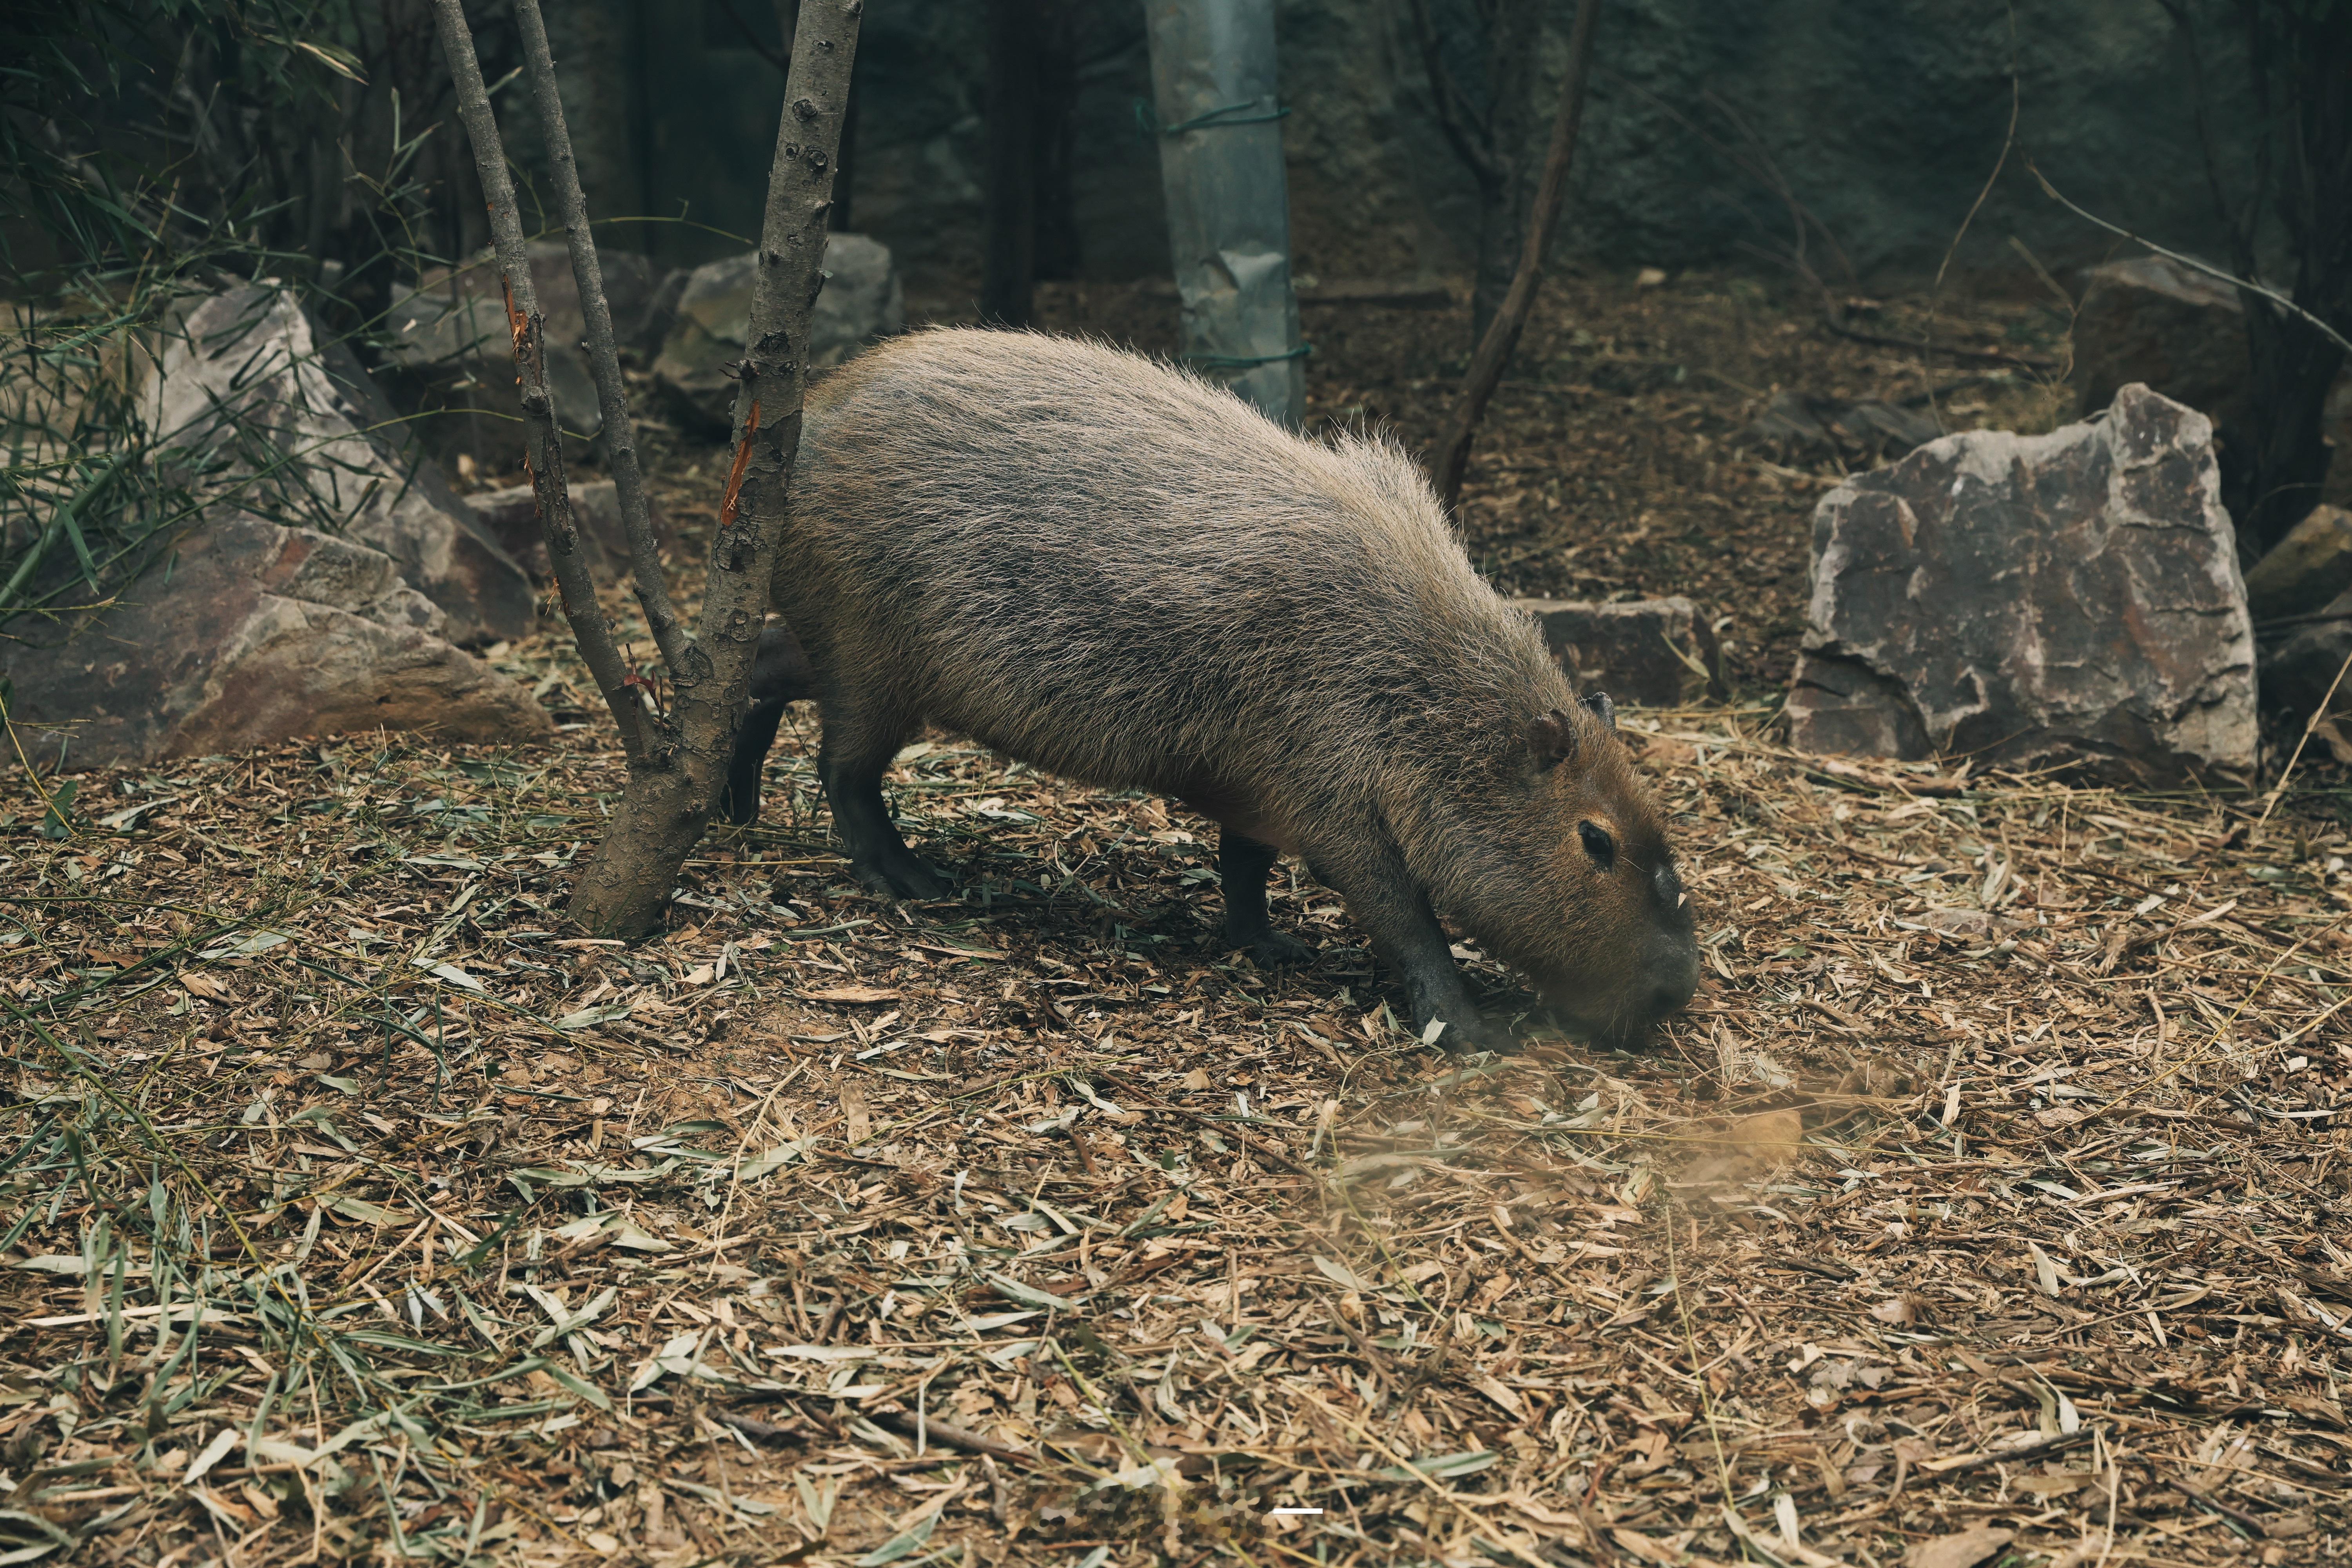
1116 572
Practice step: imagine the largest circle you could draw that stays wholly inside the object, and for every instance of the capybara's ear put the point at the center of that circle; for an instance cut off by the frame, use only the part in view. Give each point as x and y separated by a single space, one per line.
1552 741
1602 709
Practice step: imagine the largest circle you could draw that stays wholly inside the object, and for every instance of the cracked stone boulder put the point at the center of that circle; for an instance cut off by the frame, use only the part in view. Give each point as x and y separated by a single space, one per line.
272 419
1652 653
252 633
861 300
451 352
511 514
2070 601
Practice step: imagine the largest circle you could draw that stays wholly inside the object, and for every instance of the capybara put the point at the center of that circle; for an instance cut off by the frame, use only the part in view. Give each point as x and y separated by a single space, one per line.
1119 572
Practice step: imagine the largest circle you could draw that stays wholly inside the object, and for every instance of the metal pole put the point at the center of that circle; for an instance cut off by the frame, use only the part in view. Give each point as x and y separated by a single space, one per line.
1219 131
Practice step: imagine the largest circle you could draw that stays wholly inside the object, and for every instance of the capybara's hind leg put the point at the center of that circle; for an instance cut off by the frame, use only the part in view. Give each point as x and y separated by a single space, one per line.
1242 866
740 801
781 674
858 746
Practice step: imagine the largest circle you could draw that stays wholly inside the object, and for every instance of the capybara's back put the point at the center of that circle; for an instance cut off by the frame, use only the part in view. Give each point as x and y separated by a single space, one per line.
1114 571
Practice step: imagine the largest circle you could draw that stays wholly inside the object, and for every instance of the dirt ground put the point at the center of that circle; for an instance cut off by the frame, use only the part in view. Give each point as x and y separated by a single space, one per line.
1990 1206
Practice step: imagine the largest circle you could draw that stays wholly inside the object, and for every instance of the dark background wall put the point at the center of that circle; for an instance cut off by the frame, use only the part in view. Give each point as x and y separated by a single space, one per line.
1883 117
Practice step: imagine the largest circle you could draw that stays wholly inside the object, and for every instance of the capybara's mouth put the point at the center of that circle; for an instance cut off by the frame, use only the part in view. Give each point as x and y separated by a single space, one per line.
1628 1038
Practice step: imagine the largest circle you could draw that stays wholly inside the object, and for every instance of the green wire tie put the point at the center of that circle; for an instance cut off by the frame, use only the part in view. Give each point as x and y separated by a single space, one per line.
1147 120
1235 362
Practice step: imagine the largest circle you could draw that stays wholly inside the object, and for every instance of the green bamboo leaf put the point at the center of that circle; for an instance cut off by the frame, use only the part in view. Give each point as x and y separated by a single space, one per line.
899 1545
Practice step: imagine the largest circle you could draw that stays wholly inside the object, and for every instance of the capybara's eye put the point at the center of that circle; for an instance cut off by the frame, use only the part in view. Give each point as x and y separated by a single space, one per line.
1598 844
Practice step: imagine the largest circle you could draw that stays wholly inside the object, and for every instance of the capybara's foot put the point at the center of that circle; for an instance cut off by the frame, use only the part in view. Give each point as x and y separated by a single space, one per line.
901 877
1272 949
739 805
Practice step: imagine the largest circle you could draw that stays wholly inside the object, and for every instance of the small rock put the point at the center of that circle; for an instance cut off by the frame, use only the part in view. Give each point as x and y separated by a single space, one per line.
861 300
246 382
2304 664
252 633
2065 600
1855 431
1650 653
2180 332
511 516
2305 571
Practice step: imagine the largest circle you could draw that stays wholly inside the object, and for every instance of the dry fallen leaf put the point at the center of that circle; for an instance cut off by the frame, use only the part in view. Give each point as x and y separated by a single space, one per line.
1971 925
1964 1549
855 993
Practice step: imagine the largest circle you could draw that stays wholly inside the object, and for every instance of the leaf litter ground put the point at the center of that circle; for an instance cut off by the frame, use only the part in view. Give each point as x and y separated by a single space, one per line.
1990 1206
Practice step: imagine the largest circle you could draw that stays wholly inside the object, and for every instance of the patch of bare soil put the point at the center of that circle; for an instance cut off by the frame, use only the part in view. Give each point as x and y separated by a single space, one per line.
1990 1206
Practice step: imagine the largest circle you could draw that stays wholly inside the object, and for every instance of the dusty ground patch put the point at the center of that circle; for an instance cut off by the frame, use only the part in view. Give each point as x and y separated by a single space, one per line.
1997 1182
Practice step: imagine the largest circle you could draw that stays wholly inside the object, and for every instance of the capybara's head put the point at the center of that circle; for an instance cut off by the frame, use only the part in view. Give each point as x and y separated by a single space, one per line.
1594 913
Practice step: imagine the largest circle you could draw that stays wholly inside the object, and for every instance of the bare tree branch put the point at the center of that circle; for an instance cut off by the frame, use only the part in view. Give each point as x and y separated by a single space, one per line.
628 882
752 41
619 434
1502 336
544 441
1453 117
2242 246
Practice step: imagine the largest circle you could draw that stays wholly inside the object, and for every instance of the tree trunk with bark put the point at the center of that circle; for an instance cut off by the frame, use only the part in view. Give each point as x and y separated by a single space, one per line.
677 760
1501 338
2298 55
1213 83
1492 120
1031 80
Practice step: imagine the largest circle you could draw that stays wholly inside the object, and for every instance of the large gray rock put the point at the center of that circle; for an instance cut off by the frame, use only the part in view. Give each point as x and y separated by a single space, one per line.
449 335
512 515
1654 653
256 408
2065 600
251 633
861 300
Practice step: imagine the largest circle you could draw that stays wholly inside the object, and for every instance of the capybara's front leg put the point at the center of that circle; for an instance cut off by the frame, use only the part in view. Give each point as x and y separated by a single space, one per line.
1383 898
858 749
1242 866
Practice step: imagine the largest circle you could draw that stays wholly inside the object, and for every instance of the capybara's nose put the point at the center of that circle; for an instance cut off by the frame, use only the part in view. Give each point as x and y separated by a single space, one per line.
1673 981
